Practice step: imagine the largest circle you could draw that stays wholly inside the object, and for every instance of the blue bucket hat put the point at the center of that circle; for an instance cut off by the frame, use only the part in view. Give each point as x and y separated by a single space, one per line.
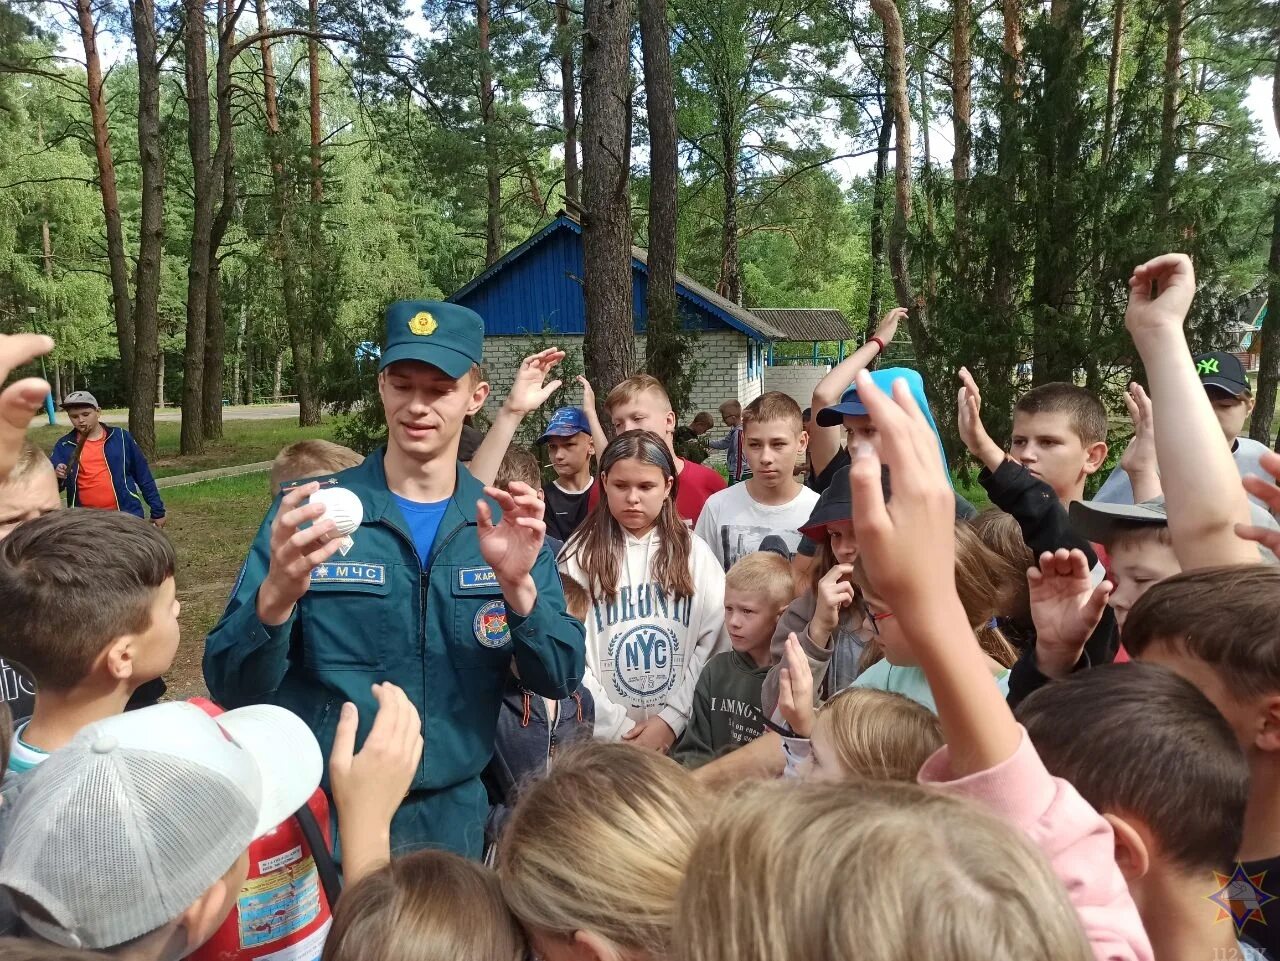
430 331
851 406
566 422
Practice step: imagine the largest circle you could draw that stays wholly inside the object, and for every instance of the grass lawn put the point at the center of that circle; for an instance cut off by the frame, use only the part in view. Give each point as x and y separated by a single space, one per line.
211 525
243 442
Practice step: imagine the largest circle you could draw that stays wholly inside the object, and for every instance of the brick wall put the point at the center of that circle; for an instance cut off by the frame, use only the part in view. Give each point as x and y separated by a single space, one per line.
796 381
723 375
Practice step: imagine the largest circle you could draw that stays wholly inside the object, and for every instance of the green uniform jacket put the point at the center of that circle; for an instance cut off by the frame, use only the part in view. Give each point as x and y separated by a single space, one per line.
443 635
726 709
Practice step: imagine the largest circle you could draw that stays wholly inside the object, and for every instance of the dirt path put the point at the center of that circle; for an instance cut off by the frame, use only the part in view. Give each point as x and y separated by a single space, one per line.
174 414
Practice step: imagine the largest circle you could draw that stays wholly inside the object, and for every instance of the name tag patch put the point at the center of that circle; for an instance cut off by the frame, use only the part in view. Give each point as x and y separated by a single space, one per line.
474 578
349 574
490 624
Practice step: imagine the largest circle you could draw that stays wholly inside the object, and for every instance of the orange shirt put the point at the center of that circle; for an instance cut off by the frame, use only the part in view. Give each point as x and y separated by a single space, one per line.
93 482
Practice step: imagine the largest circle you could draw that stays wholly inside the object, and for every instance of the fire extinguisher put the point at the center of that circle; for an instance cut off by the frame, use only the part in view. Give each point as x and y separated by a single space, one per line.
285 907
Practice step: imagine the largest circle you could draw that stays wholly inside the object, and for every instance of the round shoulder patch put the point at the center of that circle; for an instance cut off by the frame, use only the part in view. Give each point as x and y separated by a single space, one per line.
422 324
490 624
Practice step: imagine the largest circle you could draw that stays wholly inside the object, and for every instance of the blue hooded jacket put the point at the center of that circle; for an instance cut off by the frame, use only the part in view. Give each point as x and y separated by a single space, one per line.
130 473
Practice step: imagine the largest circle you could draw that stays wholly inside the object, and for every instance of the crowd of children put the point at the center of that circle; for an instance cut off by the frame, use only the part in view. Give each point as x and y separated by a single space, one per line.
589 702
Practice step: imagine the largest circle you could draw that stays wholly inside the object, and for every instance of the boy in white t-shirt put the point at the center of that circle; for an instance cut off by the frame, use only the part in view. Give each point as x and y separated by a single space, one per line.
766 511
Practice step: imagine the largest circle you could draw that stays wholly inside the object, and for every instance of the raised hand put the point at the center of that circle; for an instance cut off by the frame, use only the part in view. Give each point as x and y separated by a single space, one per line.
1269 494
795 689
294 552
21 400
969 420
529 390
910 556
1065 608
889 324
511 546
588 393
653 733
834 593
368 787
1174 281
1139 458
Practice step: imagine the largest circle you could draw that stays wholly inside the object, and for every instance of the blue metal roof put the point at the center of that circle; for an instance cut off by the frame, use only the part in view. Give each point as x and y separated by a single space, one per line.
537 287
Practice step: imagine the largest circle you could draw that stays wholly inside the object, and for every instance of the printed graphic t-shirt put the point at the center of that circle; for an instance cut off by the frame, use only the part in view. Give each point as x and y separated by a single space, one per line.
734 524
423 518
93 478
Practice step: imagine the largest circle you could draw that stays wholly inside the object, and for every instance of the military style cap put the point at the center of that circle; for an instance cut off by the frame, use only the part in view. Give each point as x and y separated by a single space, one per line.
432 332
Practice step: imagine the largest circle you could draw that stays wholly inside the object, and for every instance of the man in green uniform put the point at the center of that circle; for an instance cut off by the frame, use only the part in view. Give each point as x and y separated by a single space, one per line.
442 584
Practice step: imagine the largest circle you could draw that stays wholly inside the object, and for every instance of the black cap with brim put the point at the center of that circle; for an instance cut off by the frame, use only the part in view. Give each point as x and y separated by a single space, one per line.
1222 371
836 504
1100 522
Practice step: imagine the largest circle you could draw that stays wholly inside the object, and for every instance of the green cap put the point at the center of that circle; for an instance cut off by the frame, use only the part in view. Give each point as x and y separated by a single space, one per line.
433 332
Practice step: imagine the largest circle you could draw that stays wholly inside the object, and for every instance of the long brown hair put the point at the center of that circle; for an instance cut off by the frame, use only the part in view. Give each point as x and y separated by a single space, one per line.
600 542
982 581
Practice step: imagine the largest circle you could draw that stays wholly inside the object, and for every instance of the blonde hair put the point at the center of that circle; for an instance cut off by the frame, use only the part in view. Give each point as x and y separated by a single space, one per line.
601 844
764 574
519 464
915 873
631 388
30 459
731 407
311 458
983 581
426 906
771 406
880 735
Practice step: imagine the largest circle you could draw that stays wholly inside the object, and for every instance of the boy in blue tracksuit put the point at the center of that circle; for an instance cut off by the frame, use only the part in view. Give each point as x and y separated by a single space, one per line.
102 466
439 587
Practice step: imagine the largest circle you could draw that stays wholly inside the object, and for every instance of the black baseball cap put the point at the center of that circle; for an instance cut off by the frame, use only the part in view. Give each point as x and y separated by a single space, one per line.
836 504
1223 371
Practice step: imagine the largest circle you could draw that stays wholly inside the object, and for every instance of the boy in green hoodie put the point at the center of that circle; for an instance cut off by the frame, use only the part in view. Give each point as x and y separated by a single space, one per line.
726 702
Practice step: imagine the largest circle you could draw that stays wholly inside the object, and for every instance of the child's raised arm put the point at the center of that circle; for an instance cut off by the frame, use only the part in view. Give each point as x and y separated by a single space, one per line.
824 442
1201 483
598 437
908 548
528 393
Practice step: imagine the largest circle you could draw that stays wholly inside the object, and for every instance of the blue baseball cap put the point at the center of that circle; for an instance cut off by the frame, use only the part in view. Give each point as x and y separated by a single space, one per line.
850 405
432 332
566 422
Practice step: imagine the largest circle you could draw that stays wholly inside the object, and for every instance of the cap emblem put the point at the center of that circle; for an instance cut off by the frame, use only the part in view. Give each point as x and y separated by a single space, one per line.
423 324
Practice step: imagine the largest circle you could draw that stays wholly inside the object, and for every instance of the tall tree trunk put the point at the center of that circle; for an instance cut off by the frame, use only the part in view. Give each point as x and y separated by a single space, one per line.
1004 261
1269 362
1060 241
877 212
926 175
160 381
204 187
1162 181
896 88
1113 82
277 378
224 168
609 349
310 407
961 114
492 172
568 100
284 242
146 310
237 360
730 284
664 344
117 261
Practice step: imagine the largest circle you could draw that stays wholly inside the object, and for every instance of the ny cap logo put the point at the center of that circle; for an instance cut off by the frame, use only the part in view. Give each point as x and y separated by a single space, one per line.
1207 365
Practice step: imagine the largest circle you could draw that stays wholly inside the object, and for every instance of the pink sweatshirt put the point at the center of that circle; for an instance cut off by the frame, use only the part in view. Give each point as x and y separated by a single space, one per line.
1075 838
